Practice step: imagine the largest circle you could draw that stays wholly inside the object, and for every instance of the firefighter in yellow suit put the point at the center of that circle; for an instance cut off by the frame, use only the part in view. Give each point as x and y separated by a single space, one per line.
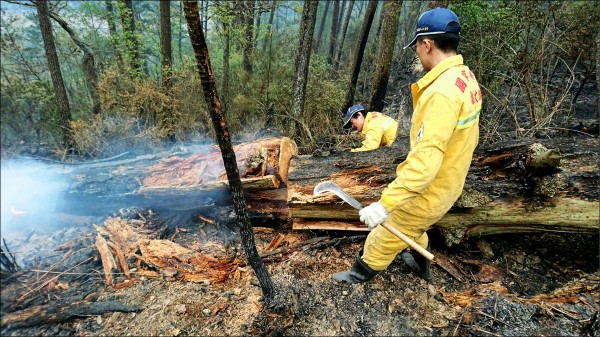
377 129
443 136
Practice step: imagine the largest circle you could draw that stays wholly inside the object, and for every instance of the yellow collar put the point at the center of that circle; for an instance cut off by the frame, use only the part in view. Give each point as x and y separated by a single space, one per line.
446 64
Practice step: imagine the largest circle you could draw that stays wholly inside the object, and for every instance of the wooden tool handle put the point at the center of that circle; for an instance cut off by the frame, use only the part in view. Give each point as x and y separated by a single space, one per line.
408 241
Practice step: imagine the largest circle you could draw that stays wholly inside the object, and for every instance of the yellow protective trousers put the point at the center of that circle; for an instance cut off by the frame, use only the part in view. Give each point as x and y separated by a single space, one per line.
381 247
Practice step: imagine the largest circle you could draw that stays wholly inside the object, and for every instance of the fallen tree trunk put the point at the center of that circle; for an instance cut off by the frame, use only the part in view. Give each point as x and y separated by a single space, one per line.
60 312
185 181
510 188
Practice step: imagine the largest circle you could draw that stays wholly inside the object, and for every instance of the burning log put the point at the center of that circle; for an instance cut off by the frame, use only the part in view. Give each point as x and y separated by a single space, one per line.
59 312
510 188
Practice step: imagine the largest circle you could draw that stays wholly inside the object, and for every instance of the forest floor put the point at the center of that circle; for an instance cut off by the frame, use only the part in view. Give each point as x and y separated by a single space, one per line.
519 284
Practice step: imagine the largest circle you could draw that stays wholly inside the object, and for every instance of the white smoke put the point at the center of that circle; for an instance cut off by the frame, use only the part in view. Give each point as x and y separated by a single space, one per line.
30 190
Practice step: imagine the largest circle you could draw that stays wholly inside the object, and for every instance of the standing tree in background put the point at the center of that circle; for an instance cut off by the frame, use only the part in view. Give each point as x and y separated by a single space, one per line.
229 160
112 30
165 43
321 27
338 53
307 28
334 30
249 35
132 41
270 28
386 52
362 42
55 73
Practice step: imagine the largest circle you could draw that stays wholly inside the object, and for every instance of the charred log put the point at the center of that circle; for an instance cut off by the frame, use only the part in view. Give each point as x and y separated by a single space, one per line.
59 312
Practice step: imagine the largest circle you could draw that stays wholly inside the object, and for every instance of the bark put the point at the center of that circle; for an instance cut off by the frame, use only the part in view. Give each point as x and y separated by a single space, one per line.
249 34
438 4
334 30
340 16
60 312
165 43
321 27
112 29
598 75
133 57
386 53
228 155
362 42
307 27
340 45
55 73
108 260
511 188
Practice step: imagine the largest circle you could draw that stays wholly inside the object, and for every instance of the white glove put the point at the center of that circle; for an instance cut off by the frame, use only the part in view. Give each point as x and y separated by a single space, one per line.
373 215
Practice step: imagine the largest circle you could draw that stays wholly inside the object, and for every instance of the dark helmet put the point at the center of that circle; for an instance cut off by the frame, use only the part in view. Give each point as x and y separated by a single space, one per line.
351 111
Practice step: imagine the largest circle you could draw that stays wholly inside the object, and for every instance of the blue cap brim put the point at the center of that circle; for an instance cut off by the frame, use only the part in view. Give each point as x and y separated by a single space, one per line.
347 124
411 43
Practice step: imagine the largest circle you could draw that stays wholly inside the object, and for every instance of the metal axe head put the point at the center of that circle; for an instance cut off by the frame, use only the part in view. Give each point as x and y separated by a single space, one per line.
330 186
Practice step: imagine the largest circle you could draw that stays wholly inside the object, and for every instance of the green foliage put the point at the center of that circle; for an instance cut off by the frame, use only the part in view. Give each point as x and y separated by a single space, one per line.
29 114
527 54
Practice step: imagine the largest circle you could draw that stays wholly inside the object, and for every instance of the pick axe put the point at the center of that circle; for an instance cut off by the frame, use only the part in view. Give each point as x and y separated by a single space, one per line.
330 186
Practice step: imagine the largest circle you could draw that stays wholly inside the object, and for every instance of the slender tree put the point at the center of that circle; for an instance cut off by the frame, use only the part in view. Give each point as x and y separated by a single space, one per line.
598 73
229 159
132 44
249 34
340 45
362 42
334 30
270 28
341 15
305 35
386 53
321 28
112 30
165 43
55 73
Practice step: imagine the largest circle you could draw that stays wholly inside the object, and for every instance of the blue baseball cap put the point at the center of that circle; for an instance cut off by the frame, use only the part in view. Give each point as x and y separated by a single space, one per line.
436 21
351 111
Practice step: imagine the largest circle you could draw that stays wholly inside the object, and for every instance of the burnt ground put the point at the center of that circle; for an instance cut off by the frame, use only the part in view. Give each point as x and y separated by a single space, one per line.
531 284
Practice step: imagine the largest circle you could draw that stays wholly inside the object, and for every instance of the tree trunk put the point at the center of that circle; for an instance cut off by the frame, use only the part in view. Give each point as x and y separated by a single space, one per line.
127 16
112 30
380 21
226 56
340 16
270 29
340 46
55 73
598 74
249 34
362 42
510 188
386 53
307 27
165 43
321 28
334 30
88 63
257 24
229 159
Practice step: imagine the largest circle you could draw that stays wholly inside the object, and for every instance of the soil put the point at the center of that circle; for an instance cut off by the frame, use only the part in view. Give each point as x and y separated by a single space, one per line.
537 284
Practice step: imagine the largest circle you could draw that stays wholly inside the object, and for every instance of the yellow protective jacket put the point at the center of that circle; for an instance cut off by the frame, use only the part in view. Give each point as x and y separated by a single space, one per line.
379 130
444 133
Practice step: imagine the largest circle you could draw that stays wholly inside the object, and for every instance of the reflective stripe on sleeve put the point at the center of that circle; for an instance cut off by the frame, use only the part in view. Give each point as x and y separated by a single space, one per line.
467 121
387 123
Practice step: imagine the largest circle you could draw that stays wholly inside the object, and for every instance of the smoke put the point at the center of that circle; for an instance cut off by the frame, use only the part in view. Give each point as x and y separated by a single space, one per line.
30 191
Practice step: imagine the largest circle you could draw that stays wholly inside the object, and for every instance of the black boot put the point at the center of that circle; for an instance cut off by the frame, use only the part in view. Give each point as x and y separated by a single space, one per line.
360 272
418 264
